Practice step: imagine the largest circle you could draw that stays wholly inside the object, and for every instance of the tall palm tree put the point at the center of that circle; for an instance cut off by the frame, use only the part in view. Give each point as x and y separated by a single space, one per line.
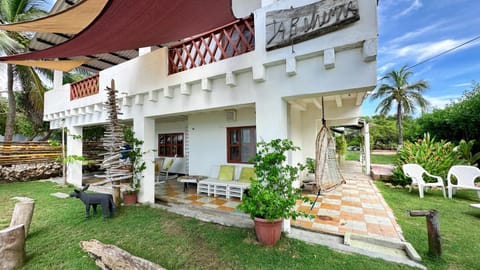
12 11
405 95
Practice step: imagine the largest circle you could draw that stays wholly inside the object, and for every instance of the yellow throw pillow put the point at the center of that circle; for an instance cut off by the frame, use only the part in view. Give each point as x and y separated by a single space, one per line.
246 174
169 164
226 172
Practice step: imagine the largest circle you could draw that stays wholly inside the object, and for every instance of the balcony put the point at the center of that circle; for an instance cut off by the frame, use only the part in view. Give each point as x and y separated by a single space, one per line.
83 88
231 40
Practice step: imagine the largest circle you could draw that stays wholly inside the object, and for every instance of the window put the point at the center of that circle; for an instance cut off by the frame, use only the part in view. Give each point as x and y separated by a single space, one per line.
170 145
241 144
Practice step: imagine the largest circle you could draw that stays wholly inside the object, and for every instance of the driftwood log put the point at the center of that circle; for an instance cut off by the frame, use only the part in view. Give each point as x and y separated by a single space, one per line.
114 258
12 247
22 214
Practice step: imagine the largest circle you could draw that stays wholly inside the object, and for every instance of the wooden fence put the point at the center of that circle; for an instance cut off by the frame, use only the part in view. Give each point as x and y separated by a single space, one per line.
38 152
28 152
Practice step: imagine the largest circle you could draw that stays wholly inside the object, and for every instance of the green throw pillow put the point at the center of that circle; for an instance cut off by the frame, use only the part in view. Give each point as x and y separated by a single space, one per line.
226 172
246 174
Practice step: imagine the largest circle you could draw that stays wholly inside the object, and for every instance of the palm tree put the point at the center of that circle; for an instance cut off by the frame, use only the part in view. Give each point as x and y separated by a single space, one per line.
10 12
405 95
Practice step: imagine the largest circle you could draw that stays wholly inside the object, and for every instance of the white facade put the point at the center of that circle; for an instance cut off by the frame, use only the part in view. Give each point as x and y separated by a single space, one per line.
278 91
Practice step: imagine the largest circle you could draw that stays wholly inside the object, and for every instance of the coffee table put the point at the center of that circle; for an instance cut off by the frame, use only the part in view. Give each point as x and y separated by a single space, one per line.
190 179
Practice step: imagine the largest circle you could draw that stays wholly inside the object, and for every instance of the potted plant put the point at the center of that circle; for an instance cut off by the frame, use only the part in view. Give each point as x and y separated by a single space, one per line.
138 165
271 196
310 164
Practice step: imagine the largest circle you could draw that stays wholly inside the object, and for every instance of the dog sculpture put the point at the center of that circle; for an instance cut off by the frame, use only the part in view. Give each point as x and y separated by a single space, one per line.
89 199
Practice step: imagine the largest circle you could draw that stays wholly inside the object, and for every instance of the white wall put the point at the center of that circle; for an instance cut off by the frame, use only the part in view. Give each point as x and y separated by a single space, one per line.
208 138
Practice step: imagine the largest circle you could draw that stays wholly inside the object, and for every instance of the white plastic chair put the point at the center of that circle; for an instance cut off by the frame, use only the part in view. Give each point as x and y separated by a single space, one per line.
465 176
416 172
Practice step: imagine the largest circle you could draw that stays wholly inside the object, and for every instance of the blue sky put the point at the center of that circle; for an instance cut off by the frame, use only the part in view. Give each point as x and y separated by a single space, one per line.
411 31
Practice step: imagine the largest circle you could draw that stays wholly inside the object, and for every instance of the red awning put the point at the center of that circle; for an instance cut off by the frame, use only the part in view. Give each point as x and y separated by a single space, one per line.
129 24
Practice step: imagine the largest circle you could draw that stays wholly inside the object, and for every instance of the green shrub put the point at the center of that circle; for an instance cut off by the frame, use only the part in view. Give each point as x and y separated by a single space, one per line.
435 157
272 195
465 149
310 164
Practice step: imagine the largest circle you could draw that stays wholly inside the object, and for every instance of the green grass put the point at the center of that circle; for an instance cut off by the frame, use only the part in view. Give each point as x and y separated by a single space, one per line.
374 158
172 241
459 225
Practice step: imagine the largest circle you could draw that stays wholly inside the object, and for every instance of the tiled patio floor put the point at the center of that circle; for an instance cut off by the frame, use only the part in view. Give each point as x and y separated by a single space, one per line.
355 207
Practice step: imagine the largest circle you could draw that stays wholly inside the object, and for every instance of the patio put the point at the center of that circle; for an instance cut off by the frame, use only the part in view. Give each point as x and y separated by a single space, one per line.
356 207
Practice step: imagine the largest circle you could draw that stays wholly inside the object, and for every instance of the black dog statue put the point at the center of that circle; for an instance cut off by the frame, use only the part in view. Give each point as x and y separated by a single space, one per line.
105 200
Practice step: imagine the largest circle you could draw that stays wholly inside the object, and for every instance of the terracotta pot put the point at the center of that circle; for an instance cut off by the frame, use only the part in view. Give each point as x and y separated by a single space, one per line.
129 198
268 233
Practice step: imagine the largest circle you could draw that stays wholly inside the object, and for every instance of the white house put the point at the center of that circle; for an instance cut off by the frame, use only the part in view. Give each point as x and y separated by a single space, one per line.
268 83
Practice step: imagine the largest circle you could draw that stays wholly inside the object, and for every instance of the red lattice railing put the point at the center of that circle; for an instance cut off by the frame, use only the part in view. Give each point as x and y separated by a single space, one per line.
83 88
231 40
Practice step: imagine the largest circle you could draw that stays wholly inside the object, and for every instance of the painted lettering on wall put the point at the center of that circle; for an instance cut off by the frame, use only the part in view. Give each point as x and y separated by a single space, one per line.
290 26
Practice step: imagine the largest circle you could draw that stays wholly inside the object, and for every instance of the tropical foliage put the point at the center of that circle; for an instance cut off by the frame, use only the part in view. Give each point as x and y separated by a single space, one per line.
27 78
383 132
136 158
340 147
402 93
459 120
435 156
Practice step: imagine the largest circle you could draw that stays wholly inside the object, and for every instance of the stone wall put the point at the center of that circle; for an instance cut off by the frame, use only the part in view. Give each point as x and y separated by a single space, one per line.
29 172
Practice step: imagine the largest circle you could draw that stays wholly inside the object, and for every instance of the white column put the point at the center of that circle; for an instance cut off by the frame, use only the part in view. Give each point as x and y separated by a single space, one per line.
271 118
57 79
144 129
272 123
74 147
366 135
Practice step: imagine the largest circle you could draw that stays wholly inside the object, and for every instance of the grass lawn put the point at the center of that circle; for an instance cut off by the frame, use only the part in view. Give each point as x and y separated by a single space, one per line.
173 241
459 225
374 158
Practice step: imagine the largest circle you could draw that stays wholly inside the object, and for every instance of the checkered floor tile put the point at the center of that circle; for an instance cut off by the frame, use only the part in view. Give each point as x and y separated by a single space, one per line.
355 207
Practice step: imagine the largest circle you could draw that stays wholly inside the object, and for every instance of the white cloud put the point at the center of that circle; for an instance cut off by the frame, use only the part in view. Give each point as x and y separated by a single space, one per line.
414 34
384 68
441 101
422 51
462 84
416 4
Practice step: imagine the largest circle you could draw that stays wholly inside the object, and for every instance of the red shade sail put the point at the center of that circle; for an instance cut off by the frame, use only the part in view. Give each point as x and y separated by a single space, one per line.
130 24
84 13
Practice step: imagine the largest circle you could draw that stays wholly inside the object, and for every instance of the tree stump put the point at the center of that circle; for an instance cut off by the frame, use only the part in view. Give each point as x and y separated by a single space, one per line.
12 247
114 258
22 214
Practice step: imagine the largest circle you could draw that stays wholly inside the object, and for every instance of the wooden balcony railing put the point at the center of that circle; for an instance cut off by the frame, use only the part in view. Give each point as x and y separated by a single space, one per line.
231 40
83 88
